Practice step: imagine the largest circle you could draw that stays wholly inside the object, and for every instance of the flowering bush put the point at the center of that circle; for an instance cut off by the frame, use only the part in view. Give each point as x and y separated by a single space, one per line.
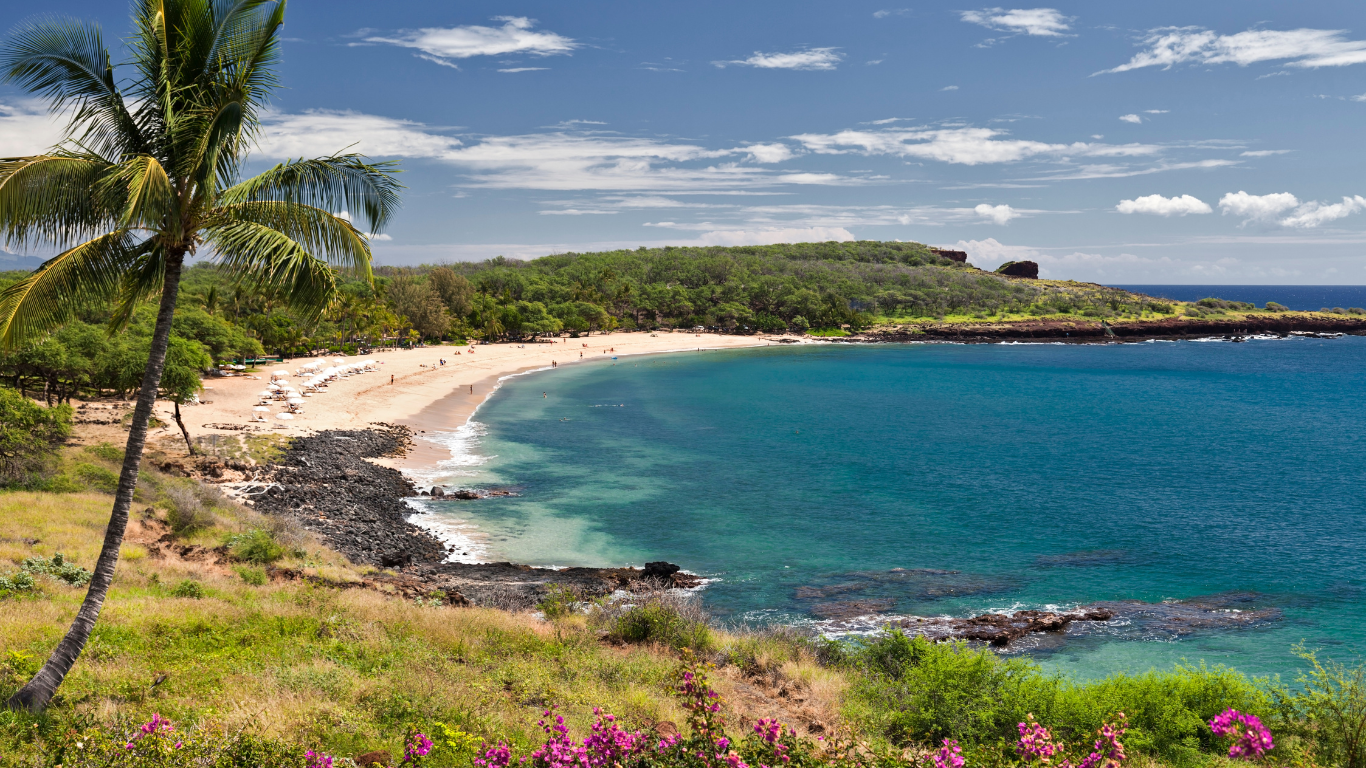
1251 739
1036 745
950 755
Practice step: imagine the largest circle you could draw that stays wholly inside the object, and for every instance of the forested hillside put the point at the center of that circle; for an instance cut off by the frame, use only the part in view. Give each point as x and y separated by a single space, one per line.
746 289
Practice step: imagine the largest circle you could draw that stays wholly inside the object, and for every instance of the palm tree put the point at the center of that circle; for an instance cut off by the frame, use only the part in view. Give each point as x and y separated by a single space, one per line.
150 173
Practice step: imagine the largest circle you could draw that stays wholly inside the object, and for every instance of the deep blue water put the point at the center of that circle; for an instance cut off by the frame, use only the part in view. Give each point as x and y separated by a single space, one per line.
1307 298
1044 475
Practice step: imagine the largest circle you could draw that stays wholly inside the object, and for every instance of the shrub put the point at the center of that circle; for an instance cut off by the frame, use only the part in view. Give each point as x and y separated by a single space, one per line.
19 582
664 617
159 744
188 588
106 451
1329 710
256 577
29 436
913 690
558 602
186 511
58 568
1272 306
255 546
1356 311
96 477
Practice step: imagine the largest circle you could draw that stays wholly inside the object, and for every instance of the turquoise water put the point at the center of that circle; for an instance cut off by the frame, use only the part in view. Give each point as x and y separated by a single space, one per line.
1043 475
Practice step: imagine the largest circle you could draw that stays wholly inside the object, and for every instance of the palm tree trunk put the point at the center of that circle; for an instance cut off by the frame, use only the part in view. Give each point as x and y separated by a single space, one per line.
39 691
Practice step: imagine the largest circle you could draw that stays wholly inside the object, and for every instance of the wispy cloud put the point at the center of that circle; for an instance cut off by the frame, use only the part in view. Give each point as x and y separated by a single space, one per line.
442 45
27 128
1131 118
891 12
1169 46
949 88
964 146
808 59
1157 205
564 159
1265 152
1041 22
524 69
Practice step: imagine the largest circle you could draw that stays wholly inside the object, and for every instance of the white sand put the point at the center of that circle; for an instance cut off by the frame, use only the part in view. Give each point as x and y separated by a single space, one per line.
418 383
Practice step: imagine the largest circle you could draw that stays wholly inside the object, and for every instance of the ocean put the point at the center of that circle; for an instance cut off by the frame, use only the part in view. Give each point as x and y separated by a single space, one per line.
842 486
1308 298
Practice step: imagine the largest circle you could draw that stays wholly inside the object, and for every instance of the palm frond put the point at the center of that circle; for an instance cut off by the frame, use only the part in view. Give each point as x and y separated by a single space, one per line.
88 272
52 199
339 182
247 46
321 233
149 197
268 260
65 61
139 282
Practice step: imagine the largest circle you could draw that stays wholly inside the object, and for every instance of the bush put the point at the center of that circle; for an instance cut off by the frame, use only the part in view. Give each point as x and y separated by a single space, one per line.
96 477
106 451
664 617
1329 710
1272 306
255 546
1356 311
912 690
187 512
29 437
58 568
188 588
256 577
159 744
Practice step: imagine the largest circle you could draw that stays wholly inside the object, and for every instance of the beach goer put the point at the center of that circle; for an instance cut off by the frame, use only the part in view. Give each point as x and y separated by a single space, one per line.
471 389
391 378
543 395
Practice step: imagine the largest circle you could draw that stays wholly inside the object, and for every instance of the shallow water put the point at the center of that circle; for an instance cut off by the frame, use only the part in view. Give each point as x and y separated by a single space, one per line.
1044 475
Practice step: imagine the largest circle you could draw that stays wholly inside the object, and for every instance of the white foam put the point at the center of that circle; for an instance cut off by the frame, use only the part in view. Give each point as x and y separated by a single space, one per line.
466 541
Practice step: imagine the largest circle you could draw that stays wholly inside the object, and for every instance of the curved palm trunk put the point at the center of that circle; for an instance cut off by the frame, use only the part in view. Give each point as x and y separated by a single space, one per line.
39 691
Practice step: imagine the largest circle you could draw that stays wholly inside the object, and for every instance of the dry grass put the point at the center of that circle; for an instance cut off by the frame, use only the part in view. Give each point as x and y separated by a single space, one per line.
343 669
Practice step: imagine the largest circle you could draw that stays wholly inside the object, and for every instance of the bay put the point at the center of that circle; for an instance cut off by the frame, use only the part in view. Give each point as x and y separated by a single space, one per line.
994 477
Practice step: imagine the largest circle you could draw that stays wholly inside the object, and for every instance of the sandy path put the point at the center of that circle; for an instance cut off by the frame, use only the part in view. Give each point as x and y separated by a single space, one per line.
421 389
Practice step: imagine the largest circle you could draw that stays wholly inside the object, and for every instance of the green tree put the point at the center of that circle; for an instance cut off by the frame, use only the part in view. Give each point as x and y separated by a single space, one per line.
180 378
150 173
29 435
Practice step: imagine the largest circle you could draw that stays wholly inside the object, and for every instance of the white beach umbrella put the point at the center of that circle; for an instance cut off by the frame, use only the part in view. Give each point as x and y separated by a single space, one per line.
262 409
339 360
267 393
284 416
294 400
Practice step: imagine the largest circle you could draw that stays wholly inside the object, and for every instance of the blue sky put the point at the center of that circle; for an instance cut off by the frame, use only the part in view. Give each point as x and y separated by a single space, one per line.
1157 142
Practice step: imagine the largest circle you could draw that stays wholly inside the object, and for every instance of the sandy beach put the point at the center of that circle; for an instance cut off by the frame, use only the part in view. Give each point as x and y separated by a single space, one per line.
412 388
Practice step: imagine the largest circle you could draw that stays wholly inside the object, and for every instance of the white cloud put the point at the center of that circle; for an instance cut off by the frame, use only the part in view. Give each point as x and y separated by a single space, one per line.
379 238
1044 22
1131 118
1000 214
768 153
1312 214
1158 205
891 12
1310 48
949 88
1266 152
771 236
323 132
964 146
515 36
1156 111
559 160
1257 207
1359 97
524 69
809 59
28 128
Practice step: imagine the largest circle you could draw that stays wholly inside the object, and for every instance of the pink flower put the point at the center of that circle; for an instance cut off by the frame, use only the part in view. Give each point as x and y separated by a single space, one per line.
1251 739
949 756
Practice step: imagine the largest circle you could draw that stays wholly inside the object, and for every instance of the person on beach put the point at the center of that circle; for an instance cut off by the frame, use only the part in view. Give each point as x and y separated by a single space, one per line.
471 389
391 378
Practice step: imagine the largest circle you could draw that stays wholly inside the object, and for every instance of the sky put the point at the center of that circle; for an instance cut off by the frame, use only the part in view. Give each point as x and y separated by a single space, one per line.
1157 142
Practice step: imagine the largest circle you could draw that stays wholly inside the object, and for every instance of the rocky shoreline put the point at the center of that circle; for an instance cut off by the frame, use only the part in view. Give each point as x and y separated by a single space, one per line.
326 484
1089 332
